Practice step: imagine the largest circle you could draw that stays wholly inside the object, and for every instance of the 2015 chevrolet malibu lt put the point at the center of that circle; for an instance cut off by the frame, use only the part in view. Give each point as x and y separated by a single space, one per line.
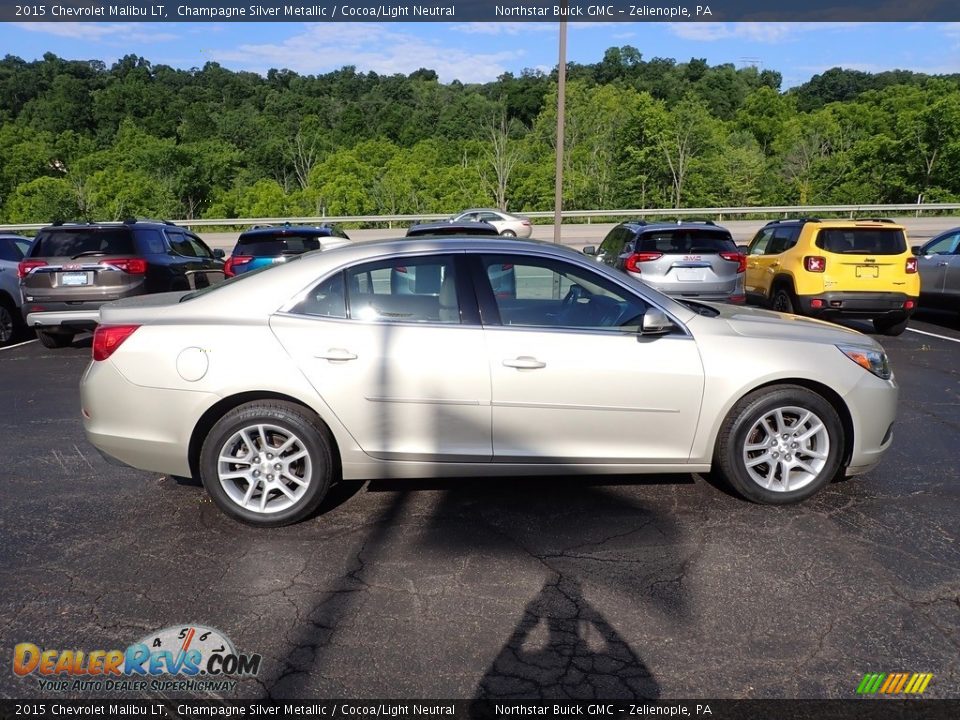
402 359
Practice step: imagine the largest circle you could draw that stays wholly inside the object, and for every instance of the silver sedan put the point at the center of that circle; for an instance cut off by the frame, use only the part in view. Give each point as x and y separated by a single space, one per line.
506 224
403 359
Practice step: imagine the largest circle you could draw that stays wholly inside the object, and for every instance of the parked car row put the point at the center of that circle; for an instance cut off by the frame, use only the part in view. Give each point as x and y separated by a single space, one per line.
831 269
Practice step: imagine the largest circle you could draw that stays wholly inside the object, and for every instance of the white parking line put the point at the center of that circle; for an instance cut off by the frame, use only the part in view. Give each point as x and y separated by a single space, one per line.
942 337
11 347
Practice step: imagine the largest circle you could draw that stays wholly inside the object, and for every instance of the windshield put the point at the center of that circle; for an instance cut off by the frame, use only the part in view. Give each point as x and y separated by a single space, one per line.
683 242
235 278
265 245
86 241
863 241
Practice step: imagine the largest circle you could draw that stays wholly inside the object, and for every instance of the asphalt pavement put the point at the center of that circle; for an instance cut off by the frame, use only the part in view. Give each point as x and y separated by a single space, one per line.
639 587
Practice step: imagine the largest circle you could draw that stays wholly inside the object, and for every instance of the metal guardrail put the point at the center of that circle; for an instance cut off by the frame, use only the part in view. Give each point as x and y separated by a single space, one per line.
719 213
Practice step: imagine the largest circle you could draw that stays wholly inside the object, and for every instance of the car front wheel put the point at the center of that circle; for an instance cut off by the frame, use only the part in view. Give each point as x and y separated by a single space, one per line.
267 463
780 445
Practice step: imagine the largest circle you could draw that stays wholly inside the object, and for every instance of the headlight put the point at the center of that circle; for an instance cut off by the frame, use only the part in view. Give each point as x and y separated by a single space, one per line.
874 361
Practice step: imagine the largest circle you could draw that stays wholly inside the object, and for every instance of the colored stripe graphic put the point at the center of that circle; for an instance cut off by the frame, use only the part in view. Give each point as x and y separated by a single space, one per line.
894 683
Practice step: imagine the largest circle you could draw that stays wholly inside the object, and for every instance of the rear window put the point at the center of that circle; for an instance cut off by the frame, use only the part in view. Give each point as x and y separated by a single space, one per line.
684 242
85 241
863 241
262 245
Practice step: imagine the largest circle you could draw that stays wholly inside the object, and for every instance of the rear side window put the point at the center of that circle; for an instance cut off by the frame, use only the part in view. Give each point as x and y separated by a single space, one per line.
262 245
862 241
684 242
87 241
151 242
13 249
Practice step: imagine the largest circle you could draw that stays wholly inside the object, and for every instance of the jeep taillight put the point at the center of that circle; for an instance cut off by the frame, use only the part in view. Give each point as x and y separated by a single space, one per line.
230 267
134 266
640 257
27 266
815 263
911 265
738 258
107 338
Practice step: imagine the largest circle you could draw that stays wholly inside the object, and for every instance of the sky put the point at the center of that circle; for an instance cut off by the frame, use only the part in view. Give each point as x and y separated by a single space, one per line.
480 52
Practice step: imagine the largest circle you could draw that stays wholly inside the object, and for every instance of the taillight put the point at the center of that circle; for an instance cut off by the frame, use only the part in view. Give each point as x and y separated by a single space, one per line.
134 266
107 338
639 257
27 266
911 264
815 263
738 258
229 268
909 305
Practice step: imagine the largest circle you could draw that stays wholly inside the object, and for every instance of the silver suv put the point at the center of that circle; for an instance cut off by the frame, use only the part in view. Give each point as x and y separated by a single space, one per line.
690 259
12 250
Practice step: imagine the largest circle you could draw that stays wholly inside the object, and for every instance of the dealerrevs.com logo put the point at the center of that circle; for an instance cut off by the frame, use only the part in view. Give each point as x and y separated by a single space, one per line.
185 658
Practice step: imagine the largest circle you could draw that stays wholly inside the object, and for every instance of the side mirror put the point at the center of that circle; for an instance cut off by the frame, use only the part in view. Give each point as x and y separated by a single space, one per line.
655 322
917 250
744 249
589 250
219 254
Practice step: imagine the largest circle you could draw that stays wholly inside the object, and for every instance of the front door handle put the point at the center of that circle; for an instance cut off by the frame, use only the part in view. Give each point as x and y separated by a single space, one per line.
525 362
336 355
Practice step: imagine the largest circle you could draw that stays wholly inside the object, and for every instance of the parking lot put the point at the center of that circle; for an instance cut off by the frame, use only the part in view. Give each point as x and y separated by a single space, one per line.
647 586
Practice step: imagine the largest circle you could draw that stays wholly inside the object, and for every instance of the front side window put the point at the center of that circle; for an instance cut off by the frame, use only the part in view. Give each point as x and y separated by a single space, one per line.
760 242
947 245
180 244
417 290
542 292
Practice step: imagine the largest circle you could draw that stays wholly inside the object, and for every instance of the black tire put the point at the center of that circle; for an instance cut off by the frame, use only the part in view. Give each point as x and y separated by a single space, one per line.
508 233
11 322
782 301
54 339
741 424
886 326
291 418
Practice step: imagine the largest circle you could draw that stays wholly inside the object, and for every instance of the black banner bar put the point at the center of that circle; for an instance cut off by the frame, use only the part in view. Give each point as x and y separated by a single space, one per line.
161 709
480 11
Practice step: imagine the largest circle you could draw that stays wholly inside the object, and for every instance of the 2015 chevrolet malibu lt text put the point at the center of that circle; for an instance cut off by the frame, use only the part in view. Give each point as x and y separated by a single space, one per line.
403 359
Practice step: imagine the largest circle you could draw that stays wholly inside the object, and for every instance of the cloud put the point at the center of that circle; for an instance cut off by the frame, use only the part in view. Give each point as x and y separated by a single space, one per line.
761 32
115 34
383 49
503 28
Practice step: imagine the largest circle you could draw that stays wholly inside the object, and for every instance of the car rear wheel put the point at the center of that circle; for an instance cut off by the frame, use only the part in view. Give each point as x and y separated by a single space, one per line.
780 445
267 463
508 233
783 301
54 339
885 326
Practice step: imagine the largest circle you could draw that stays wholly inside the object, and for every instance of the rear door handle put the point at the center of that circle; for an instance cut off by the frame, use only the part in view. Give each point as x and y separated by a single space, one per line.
525 362
336 355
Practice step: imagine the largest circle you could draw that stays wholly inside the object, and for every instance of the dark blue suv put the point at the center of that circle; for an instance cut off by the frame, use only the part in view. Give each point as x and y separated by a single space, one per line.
263 246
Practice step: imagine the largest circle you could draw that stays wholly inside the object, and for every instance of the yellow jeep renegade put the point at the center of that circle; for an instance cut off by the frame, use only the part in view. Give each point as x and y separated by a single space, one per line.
835 269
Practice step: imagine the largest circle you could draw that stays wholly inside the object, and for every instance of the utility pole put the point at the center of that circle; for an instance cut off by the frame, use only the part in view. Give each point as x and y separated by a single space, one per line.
561 103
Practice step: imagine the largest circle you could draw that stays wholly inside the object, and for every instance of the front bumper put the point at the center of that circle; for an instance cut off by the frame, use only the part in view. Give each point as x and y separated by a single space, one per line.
873 408
857 305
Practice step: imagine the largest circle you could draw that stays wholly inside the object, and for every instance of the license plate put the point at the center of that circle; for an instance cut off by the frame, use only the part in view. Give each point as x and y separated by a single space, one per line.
73 278
868 271
690 275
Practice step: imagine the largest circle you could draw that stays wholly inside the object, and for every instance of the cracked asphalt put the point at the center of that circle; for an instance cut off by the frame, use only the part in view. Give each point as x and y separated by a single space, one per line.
641 587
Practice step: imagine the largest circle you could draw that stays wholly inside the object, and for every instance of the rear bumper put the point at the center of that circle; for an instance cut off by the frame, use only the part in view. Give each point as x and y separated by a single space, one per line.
86 319
857 304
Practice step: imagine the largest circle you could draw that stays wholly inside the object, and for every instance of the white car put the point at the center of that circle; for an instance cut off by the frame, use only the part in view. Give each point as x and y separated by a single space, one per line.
272 386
